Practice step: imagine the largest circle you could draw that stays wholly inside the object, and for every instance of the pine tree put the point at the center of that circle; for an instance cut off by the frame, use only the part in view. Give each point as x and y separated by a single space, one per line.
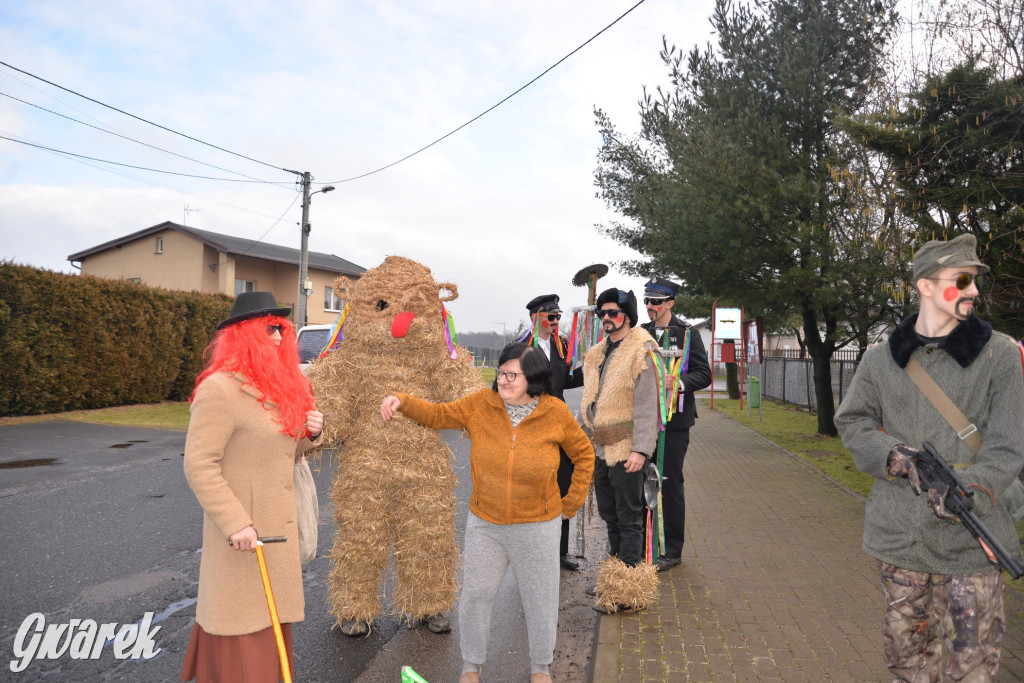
738 181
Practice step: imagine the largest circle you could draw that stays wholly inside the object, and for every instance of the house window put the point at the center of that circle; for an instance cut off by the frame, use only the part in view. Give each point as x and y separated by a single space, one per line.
331 300
244 286
159 245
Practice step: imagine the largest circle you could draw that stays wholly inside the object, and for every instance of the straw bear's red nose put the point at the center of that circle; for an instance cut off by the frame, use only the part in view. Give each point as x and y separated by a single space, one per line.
400 324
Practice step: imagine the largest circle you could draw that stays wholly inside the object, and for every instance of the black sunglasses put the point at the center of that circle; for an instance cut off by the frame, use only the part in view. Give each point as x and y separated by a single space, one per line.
964 280
552 316
608 312
652 301
271 329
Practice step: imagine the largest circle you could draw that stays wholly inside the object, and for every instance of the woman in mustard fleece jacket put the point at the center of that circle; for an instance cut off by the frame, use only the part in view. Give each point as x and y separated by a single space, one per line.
515 508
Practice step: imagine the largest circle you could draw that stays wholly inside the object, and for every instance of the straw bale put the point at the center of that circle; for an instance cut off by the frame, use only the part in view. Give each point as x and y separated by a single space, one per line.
394 487
620 585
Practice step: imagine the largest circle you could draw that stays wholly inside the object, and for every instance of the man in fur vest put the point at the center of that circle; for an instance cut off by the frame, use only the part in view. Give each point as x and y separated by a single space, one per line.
620 406
944 615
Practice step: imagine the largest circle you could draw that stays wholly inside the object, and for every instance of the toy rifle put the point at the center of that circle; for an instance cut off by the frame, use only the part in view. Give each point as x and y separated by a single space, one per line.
936 474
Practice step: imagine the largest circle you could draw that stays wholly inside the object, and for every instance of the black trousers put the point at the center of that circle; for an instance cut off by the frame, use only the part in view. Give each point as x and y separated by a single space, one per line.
565 470
620 504
672 499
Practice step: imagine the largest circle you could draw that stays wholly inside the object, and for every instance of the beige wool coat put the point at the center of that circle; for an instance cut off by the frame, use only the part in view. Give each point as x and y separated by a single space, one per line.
240 467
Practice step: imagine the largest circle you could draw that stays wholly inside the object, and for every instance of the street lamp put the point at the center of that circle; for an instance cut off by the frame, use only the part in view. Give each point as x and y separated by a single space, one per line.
305 286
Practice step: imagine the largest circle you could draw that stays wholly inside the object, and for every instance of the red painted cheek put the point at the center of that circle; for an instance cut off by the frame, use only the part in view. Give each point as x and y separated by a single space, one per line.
545 323
950 293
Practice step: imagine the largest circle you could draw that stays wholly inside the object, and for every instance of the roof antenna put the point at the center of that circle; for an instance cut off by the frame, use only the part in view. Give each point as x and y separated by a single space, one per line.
184 218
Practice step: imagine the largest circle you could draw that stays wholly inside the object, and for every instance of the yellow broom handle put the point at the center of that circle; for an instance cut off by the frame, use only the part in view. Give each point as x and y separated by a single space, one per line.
286 671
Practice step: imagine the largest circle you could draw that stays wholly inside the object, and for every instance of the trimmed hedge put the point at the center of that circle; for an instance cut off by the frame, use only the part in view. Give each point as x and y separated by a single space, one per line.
70 342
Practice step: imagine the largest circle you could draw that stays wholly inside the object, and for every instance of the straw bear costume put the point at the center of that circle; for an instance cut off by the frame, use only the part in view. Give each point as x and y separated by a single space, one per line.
394 488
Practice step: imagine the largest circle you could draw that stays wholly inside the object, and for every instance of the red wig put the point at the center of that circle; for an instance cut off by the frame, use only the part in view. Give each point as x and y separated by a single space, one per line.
247 350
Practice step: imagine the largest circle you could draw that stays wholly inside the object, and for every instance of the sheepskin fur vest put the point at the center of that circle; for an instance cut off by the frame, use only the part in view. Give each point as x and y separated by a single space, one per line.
613 388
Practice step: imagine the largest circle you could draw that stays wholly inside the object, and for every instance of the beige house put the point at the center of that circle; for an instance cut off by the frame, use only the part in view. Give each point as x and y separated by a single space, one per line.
178 257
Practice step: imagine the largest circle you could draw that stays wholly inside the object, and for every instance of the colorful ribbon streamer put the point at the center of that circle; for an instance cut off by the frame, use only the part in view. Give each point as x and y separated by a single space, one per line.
336 334
449 331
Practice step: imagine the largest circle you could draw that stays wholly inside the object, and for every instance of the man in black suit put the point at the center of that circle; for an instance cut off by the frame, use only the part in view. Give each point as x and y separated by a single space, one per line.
544 308
659 297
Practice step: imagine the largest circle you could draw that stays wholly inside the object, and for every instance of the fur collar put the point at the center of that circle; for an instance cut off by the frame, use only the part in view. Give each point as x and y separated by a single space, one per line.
964 343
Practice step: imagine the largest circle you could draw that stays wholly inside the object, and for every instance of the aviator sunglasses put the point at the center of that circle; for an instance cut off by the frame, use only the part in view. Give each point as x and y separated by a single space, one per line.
271 329
964 280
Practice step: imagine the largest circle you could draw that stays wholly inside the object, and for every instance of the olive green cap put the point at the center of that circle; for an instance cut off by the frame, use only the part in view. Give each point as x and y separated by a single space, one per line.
935 255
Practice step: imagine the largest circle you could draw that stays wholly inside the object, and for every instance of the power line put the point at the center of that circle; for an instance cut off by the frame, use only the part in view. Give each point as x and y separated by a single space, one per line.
130 139
140 168
273 225
492 108
157 183
139 118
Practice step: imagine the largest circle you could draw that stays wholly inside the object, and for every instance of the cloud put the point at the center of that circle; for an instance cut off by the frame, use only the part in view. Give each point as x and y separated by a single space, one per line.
505 208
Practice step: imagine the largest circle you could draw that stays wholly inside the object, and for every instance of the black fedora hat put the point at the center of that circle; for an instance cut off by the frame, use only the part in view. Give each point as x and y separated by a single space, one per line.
253 305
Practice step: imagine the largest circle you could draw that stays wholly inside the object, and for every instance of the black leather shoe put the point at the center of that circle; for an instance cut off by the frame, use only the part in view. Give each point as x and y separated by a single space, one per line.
666 563
569 563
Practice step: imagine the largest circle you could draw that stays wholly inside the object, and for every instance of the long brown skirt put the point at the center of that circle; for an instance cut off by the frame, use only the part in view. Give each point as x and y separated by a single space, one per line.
251 658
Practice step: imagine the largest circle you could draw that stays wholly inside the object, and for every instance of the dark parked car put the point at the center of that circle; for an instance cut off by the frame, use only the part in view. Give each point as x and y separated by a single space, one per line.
311 340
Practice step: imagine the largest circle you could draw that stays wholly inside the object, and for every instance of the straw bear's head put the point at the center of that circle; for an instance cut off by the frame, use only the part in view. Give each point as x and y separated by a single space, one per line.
397 305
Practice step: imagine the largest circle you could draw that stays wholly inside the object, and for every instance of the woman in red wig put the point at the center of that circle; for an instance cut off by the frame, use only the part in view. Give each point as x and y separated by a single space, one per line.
253 415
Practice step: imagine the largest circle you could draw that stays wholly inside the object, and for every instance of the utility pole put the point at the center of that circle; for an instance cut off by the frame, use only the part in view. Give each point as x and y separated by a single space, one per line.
300 303
305 286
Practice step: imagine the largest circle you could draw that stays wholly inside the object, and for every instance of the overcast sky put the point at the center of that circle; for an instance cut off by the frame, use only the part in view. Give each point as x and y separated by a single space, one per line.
505 208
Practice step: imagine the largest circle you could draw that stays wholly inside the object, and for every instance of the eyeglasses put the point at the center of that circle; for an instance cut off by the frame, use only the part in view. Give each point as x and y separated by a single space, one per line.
608 313
271 329
651 301
507 376
964 280
553 316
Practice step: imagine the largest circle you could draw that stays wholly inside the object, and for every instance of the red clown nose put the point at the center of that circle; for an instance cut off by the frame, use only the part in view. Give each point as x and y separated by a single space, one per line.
400 324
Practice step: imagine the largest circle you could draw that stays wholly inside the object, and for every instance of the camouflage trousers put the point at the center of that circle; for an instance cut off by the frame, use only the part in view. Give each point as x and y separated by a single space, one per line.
942 627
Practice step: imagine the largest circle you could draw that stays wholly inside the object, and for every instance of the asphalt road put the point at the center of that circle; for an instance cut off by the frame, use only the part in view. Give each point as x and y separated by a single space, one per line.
98 523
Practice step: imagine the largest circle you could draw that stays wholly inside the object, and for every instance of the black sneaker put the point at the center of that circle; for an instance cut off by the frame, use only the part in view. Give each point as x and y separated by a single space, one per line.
666 563
439 623
601 609
569 563
354 627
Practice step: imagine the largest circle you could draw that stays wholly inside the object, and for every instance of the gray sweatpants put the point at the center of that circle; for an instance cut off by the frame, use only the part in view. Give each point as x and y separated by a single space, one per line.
532 551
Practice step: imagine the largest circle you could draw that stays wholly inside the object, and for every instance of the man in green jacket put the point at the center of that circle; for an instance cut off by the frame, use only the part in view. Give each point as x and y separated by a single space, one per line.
944 616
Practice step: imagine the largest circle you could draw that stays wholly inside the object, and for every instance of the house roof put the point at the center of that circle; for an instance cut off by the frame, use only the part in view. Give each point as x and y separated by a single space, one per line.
236 246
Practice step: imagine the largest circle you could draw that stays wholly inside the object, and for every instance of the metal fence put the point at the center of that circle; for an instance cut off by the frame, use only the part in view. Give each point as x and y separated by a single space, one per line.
484 356
838 354
791 380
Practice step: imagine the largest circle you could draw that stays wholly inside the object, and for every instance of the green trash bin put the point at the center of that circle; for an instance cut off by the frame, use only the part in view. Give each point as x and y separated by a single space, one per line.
754 391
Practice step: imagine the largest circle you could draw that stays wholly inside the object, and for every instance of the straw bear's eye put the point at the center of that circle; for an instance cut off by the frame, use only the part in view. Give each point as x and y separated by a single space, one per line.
381 305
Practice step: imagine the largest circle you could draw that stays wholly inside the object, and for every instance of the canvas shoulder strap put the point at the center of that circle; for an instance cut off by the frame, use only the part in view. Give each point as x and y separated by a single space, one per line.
963 427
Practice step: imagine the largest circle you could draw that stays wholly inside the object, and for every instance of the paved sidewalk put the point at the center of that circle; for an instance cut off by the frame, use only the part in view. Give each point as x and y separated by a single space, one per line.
774 585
